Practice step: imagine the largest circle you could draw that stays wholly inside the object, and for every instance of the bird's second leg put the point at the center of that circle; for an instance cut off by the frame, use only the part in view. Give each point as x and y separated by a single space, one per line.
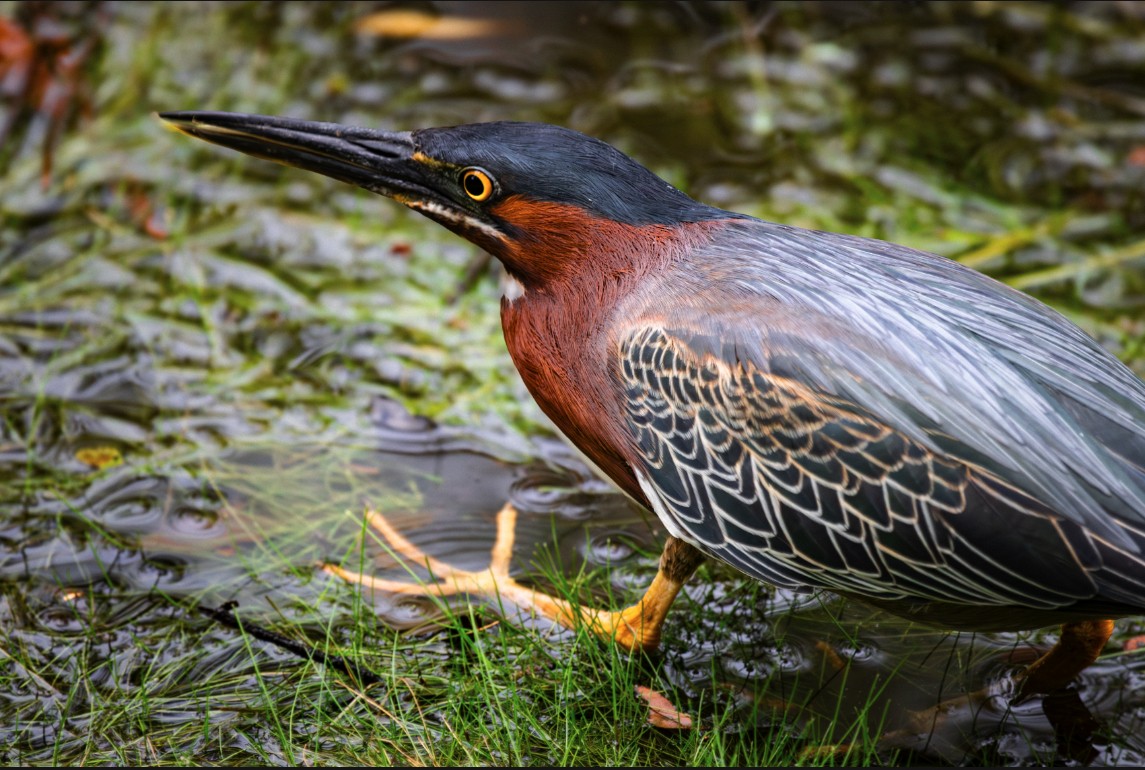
636 627
1078 646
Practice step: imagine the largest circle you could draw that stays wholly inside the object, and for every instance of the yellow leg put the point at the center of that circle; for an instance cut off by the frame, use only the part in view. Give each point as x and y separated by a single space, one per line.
640 624
637 627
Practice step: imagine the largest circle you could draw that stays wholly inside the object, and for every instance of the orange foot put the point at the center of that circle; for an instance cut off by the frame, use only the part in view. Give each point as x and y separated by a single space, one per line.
637 627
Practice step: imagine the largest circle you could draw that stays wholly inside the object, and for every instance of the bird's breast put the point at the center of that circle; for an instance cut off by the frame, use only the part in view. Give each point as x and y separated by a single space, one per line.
561 353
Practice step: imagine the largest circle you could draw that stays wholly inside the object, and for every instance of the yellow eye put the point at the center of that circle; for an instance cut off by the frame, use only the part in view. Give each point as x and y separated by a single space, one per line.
477 184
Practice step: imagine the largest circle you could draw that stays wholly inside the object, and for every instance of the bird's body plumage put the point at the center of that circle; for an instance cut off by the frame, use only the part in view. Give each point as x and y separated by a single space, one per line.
815 409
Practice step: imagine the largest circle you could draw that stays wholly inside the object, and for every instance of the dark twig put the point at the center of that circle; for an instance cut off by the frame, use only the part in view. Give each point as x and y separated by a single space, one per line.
225 614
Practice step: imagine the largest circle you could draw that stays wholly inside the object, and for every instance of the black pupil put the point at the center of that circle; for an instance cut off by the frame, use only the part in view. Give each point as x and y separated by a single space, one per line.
474 186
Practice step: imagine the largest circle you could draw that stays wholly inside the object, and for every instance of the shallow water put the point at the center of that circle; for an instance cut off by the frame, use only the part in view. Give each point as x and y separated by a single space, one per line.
209 366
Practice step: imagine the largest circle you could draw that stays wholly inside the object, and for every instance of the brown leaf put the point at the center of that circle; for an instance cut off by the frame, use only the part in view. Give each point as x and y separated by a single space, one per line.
661 712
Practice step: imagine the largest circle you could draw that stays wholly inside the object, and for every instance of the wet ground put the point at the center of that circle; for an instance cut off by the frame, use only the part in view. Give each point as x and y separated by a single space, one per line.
209 365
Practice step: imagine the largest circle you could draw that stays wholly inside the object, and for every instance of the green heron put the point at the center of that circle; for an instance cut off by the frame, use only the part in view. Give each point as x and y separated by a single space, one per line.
814 409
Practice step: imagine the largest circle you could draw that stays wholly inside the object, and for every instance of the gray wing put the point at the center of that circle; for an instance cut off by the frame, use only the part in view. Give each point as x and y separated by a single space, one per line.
960 443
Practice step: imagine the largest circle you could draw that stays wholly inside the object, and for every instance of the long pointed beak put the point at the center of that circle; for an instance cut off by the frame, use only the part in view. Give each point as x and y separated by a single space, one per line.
379 161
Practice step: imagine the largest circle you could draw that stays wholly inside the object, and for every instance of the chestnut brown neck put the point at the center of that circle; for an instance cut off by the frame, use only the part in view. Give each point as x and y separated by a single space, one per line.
557 243
560 331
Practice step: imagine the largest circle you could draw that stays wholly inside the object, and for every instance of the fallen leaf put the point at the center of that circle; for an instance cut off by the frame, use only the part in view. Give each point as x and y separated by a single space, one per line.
100 456
415 24
661 712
